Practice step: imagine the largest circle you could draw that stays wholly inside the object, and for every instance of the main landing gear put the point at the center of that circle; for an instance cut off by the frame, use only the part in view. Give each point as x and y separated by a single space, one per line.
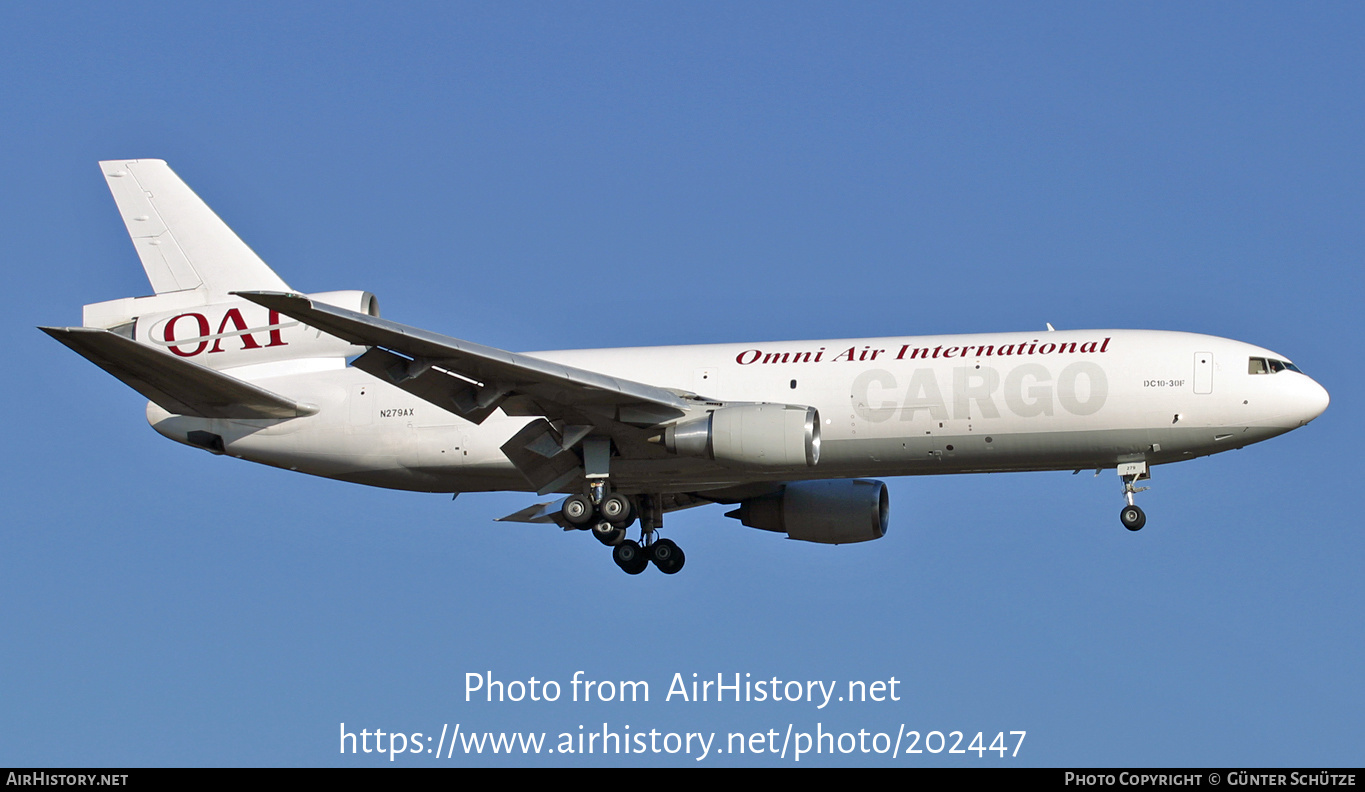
632 558
1132 516
610 515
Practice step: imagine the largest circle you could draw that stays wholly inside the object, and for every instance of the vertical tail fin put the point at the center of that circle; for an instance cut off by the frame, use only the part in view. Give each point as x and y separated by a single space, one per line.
183 245
195 263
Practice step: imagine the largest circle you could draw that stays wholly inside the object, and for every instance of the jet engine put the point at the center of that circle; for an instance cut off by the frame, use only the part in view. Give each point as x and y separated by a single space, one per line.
841 511
753 435
360 301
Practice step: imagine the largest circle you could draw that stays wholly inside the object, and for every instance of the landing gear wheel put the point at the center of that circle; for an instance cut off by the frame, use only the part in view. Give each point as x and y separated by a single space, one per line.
667 556
1132 517
608 534
616 509
630 557
577 510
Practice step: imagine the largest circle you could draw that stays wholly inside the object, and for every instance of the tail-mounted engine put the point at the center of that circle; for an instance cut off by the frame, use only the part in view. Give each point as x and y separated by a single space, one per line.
226 333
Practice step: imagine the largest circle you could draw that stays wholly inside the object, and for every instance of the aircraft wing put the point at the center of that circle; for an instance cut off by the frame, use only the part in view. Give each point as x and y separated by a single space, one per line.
177 385
472 380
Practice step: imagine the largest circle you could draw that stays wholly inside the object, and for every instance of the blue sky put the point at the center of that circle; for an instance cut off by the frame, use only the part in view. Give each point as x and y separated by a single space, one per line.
563 175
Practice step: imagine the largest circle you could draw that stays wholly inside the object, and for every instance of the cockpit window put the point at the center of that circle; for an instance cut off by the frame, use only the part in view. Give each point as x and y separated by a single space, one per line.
1269 366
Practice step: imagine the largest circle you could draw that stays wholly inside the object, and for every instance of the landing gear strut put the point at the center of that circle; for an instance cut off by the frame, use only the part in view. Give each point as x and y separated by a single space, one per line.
1132 516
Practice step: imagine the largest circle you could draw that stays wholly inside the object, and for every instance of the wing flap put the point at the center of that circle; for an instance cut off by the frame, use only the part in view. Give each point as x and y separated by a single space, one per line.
539 513
539 452
466 399
178 386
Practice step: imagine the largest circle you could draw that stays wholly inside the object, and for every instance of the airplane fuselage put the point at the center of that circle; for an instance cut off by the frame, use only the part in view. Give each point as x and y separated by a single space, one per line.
888 406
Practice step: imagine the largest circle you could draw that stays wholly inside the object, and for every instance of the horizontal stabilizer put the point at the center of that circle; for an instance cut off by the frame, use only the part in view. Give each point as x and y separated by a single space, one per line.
178 386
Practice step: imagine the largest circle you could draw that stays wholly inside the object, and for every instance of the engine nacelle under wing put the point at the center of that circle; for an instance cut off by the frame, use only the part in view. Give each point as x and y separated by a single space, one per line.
841 511
752 435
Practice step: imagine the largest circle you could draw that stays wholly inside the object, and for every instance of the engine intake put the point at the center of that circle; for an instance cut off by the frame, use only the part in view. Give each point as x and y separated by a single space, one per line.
755 435
841 511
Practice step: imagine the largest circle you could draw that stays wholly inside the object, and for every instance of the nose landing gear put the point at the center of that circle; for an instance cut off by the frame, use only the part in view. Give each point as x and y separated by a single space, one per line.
1132 516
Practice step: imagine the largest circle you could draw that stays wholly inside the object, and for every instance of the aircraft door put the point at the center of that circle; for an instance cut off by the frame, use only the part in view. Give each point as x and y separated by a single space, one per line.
1203 372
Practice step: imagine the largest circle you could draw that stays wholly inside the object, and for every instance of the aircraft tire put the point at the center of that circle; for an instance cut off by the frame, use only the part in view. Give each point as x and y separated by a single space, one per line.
664 554
577 510
630 557
1132 518
608 534
675 564
616 509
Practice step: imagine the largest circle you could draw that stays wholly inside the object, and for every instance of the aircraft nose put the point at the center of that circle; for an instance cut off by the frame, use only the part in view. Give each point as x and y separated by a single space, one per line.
1312 401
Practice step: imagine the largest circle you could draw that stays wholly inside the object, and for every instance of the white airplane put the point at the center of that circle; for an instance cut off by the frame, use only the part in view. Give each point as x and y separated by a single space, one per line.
234 362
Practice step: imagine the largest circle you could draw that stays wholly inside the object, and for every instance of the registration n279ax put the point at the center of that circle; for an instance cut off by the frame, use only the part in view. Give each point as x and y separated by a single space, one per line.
235 362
